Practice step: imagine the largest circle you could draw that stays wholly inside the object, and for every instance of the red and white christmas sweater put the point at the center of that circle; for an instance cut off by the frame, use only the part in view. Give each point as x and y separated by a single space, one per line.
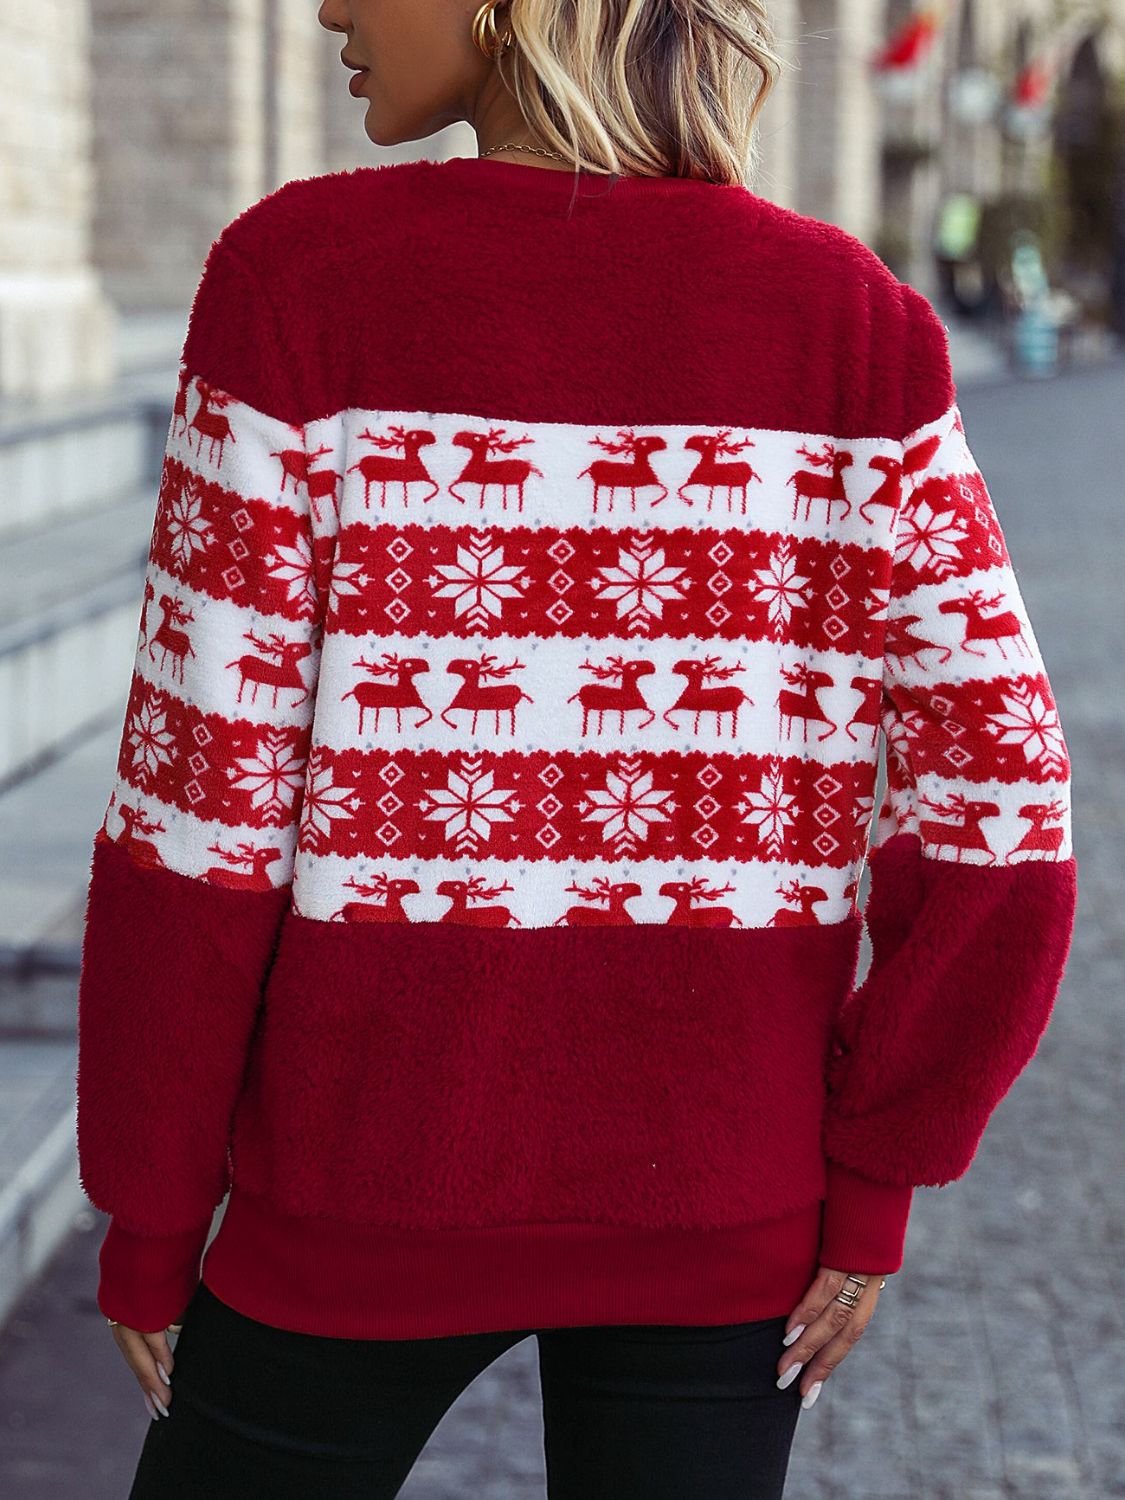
537 571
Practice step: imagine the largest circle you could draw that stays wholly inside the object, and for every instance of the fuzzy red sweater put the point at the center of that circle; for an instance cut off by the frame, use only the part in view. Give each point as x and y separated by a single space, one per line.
536 573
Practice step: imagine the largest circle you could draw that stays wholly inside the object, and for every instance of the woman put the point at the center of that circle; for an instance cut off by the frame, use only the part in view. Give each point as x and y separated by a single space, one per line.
542 543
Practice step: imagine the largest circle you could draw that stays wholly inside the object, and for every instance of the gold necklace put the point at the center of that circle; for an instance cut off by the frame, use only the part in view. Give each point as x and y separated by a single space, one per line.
535 150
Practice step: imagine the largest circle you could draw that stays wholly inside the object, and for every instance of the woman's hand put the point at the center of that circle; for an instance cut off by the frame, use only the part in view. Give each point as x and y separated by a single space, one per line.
821 1331
149 1356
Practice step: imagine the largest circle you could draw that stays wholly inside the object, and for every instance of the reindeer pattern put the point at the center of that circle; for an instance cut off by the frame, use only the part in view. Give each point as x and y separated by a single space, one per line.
431 666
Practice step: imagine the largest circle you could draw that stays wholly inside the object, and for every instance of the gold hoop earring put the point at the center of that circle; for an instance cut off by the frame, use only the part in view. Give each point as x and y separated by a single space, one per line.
485 34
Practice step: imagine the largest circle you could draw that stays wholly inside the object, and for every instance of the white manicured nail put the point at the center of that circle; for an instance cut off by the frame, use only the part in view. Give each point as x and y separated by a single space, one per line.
790 1375
152 1411
794 1333
157 1401
163 1373
809 1398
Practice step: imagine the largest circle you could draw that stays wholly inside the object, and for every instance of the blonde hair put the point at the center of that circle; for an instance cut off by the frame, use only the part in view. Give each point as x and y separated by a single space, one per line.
646 87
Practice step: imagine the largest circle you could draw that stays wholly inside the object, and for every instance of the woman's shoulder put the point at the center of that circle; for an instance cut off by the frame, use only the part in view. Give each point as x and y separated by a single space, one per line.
820 256
324 211
317 215
825 280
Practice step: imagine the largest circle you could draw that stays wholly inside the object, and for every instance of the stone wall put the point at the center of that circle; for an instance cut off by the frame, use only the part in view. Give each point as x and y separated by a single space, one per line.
132 131
56 321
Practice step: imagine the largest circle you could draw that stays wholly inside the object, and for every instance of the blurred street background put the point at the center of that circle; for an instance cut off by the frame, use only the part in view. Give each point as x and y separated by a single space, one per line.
979 147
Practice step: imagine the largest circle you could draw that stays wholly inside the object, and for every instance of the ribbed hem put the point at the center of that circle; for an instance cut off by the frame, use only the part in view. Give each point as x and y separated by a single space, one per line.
344 1280
864 1222
147 1280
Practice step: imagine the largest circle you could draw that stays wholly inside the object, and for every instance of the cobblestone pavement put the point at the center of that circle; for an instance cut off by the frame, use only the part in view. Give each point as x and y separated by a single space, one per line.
994 1369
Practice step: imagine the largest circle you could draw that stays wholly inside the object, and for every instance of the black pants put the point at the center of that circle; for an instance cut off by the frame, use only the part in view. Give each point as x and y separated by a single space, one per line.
645 1412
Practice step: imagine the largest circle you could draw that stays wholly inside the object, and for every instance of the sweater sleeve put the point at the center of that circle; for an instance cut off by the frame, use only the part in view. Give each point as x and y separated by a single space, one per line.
972 875
192 865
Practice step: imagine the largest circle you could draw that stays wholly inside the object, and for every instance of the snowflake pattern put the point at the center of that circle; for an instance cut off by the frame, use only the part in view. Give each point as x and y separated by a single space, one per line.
558 590
641 583
931 540
1032 723
478 582
150 737
780 586
324 802
770 808
348 578
627 806
186 530
469 805
272 776
293 566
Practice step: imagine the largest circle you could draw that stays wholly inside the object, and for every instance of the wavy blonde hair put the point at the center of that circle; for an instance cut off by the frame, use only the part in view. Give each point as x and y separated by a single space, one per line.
647 87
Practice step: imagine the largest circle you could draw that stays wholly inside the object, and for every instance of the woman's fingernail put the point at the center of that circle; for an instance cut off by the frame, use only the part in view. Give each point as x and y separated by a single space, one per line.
163 1373
152 1411
794 1333
809 1398
790 1375
159 1403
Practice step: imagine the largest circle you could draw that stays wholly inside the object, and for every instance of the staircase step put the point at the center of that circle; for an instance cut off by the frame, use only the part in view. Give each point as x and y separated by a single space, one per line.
68 626
40 1191
47 827
64 562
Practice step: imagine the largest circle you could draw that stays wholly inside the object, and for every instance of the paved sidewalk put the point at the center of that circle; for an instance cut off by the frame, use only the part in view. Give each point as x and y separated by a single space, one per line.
975 353
993 1370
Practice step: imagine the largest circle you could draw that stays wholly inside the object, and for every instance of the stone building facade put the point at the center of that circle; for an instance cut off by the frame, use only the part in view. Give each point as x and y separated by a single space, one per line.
131 133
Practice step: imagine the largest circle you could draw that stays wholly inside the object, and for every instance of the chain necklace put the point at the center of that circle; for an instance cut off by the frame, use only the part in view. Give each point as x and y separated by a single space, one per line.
535 150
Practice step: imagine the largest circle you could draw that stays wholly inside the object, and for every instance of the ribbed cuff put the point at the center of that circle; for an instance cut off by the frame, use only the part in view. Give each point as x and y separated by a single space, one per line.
147 1280
864 1224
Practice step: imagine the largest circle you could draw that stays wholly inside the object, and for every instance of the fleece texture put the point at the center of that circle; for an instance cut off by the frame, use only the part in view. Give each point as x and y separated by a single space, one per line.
540 570
158 1074
966 964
